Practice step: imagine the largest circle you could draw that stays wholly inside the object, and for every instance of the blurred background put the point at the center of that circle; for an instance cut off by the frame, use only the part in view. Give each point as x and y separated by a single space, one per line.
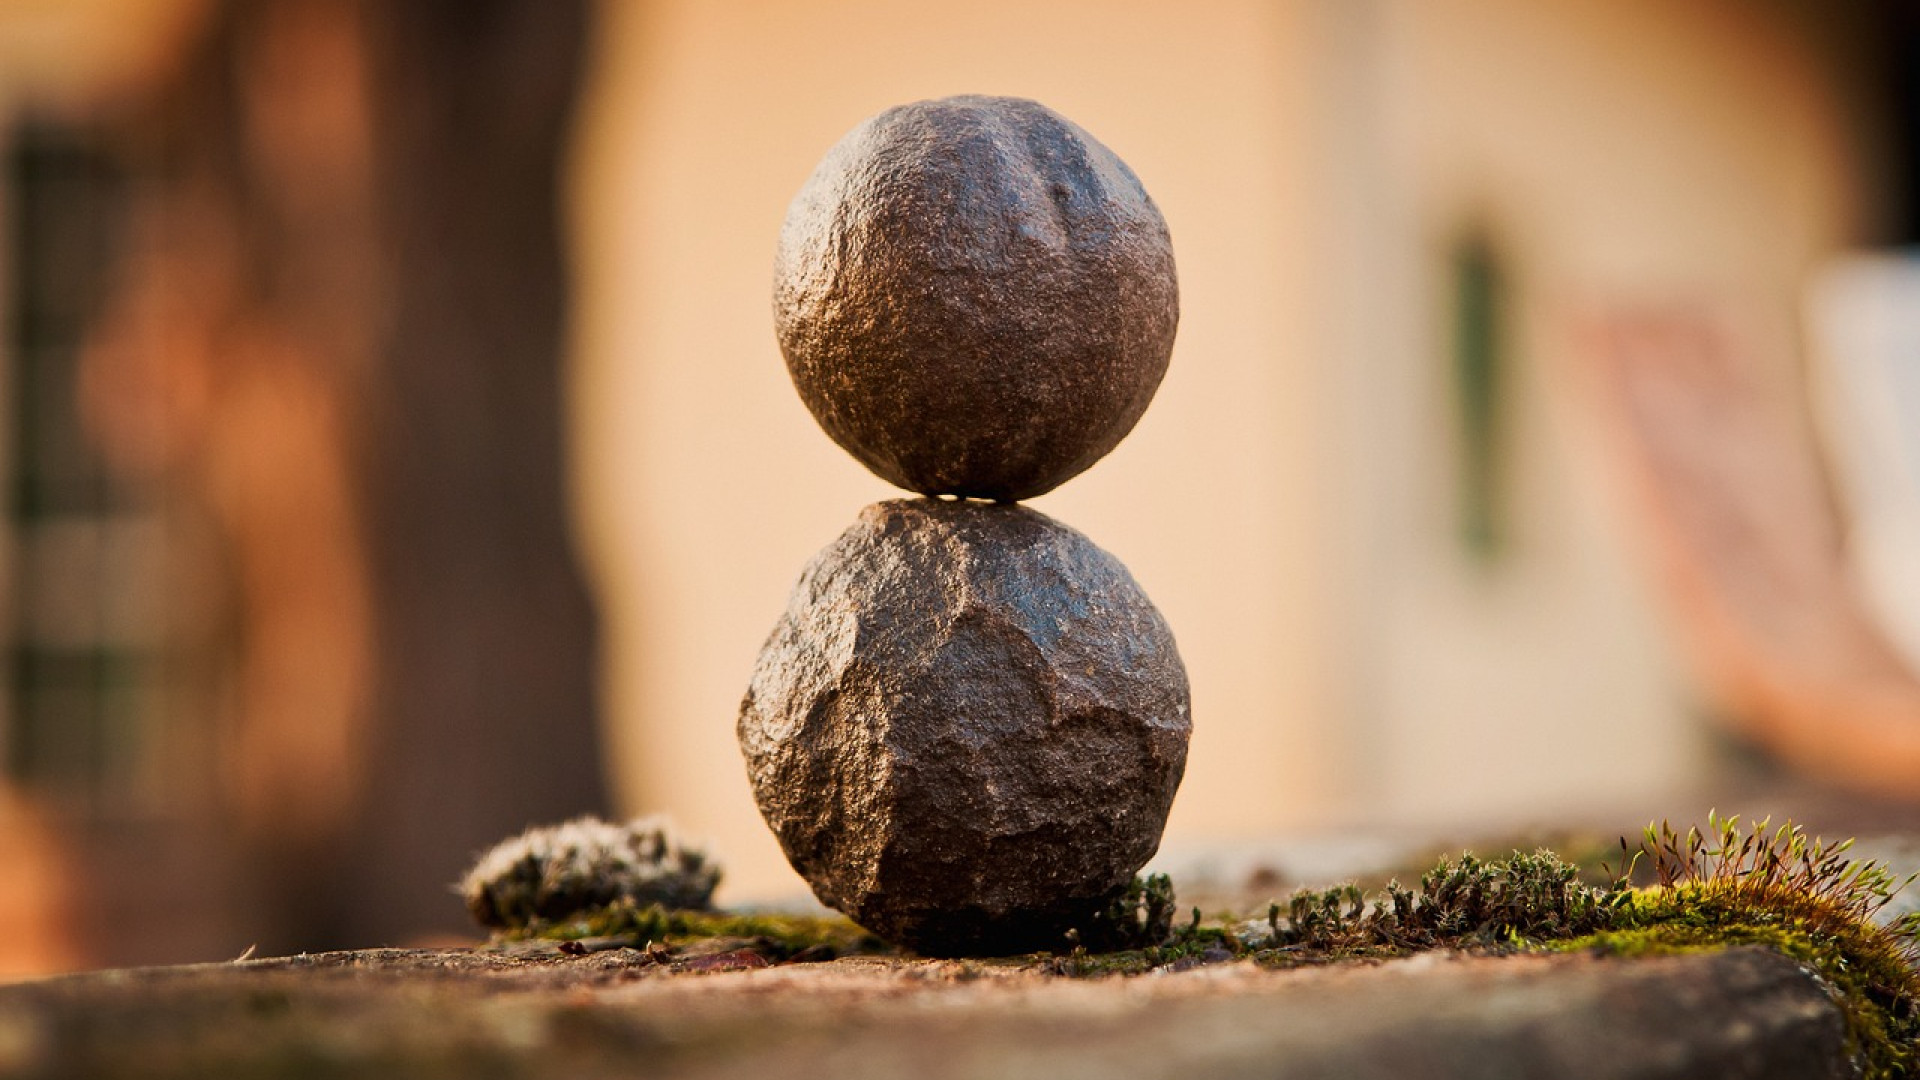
396 451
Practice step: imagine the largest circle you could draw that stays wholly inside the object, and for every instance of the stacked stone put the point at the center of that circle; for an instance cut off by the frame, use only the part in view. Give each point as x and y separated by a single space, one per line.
969 725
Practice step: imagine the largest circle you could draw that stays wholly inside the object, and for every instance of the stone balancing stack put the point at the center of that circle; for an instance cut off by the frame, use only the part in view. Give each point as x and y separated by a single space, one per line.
969 725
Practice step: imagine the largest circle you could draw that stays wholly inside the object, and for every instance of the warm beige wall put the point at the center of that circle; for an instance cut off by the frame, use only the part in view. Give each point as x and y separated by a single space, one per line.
705 486
1624 152
60 53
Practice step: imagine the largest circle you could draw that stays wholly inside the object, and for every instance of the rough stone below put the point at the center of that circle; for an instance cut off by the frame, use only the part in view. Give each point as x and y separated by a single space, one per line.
968 727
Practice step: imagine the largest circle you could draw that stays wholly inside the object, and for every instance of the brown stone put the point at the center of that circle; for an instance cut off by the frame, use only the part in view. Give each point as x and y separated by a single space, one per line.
975 297
968 726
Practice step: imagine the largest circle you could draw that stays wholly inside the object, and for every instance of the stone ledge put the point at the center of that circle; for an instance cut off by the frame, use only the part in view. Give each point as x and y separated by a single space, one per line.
1742 1013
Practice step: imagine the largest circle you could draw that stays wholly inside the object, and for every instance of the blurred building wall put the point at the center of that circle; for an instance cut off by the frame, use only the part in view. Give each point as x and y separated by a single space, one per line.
1620 155
1290 499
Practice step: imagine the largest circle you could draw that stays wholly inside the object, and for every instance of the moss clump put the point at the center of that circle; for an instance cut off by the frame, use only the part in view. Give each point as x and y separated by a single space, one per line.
779 937
1797 894
1719 888
632 884
1880 1028
1463 903
1141 917
1136 935
554 872
1188 946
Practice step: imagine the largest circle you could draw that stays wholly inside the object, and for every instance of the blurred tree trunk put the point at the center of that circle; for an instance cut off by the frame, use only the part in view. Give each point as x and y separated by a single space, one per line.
356 263
485 696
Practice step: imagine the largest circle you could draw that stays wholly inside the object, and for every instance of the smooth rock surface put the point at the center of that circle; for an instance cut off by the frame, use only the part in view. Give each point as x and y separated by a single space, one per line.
968 727
975 297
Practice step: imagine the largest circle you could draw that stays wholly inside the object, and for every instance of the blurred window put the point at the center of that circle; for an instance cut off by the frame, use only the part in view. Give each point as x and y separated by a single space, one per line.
81 550
1480 386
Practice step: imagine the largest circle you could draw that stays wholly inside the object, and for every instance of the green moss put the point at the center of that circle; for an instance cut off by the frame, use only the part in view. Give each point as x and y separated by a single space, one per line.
1140 918
1463 903
1194 944
1711 889
1880 1026
1803 897
782 936
1868 968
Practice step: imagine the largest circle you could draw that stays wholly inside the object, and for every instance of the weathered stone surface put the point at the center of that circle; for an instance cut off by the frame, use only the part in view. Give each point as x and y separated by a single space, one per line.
968 726
1746 1014
975 297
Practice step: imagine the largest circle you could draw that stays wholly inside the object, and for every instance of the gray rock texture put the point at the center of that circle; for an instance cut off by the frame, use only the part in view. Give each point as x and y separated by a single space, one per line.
975 297
968 726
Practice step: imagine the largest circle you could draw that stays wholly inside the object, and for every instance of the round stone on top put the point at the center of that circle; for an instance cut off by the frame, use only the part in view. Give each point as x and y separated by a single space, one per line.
975 297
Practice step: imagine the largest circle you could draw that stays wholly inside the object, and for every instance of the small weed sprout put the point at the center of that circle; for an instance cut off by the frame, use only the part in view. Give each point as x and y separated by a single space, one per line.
1764 868
1139 918
1136 934
548 874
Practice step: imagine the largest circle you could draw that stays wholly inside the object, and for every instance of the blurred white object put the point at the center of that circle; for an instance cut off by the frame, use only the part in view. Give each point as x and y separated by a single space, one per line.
1863 321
